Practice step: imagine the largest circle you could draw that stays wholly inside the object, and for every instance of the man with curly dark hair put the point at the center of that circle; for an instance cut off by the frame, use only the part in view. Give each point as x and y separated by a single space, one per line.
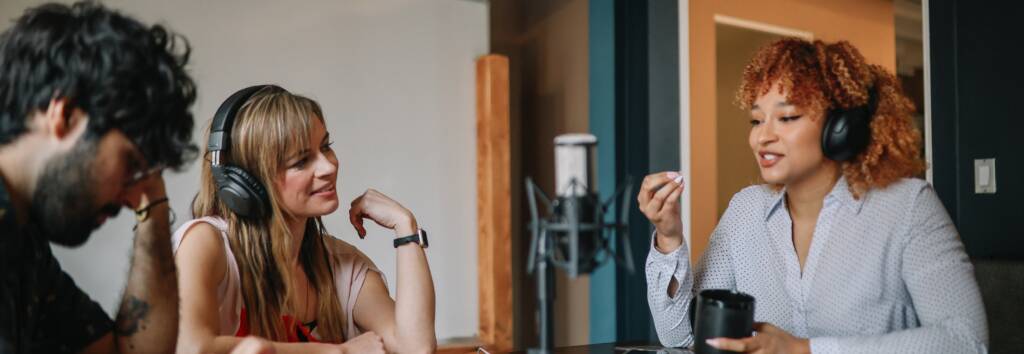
93 106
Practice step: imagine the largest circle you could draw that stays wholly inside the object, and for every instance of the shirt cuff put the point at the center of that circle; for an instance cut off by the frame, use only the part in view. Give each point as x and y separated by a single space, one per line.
667 265
663 259
824 345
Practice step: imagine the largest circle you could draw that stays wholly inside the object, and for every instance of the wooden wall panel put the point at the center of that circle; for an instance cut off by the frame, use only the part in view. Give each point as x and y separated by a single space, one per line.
494 263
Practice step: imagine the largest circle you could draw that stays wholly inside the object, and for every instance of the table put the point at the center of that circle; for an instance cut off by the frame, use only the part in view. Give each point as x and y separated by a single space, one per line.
613 348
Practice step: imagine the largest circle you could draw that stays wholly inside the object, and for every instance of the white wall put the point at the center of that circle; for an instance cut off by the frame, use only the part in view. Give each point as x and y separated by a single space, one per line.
396 81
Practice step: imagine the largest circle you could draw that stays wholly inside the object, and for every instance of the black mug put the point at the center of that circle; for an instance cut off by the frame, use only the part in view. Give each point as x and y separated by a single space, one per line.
721 313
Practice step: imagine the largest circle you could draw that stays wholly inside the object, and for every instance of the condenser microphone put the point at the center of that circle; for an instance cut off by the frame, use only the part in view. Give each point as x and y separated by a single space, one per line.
576 201
573 232
574 161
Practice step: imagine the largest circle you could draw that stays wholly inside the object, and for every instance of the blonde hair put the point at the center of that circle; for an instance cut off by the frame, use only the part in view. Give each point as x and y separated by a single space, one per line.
267 129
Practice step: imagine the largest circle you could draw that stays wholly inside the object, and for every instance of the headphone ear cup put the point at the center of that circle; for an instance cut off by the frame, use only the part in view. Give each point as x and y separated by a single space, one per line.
829 136
845 134
241 192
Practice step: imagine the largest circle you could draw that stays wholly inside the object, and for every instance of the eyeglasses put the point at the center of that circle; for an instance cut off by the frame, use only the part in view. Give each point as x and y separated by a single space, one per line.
140 175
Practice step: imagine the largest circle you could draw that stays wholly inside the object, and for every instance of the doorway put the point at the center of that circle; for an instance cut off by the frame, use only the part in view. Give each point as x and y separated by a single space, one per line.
736 41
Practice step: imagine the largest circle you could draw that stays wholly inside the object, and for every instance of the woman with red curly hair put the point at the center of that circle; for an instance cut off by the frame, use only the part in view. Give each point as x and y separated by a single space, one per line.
843 249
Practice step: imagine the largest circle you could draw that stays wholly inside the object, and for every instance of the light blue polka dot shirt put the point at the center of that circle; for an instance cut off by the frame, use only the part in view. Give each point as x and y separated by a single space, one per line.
886 273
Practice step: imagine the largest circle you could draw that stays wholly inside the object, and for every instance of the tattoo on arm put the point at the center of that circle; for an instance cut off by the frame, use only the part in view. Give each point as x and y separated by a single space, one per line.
129 318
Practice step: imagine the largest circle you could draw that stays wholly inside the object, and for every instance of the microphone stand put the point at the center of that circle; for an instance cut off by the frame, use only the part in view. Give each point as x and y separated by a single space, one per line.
564 219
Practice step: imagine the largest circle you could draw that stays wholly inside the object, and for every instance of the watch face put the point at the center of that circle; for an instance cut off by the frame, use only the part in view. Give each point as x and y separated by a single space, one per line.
423 238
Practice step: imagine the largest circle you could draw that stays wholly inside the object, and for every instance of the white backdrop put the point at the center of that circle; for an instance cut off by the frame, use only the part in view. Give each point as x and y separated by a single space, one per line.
396 81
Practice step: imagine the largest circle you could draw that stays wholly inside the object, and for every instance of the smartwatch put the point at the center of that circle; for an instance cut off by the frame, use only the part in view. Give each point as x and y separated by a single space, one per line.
420 237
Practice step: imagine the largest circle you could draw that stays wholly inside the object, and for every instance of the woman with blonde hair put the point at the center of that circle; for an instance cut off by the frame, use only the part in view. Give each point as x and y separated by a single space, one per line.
257 260
842 248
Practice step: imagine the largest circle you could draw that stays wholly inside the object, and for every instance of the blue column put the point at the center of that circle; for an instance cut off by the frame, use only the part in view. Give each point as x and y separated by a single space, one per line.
602 124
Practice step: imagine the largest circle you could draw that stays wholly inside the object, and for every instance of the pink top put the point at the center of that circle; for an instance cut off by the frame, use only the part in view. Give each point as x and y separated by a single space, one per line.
350 268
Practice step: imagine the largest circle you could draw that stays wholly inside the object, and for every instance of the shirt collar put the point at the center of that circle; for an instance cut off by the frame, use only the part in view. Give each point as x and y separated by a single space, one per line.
775 202
840 193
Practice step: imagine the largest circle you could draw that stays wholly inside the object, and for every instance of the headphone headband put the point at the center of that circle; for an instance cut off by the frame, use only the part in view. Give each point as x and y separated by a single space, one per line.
220 128
869 108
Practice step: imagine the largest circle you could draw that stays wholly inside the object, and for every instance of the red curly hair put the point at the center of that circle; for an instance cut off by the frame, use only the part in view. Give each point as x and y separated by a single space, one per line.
835 75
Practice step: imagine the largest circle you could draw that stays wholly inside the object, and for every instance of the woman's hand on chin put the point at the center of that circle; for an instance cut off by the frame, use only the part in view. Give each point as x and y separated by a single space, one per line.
384 211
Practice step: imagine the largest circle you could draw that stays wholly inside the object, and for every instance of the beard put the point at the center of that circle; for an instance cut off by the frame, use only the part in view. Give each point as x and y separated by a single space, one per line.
64 203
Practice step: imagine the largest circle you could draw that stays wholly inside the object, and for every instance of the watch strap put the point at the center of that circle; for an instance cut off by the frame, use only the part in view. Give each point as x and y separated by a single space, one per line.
417 238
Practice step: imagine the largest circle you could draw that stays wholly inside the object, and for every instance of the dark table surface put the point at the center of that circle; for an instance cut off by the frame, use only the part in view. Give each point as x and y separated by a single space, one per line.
614 348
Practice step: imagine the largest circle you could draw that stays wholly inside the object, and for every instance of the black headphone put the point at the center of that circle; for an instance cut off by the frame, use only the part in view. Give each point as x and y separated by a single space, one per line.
847 131
240 191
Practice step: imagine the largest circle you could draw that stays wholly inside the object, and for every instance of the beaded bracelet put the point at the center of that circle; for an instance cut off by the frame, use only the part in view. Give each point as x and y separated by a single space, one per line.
143 214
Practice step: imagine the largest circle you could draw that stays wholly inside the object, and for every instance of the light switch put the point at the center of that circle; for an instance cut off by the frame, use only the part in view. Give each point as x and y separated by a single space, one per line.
985 176
983 172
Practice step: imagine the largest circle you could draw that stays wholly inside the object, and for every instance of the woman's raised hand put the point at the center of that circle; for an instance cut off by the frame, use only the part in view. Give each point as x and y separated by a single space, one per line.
384 211
659 201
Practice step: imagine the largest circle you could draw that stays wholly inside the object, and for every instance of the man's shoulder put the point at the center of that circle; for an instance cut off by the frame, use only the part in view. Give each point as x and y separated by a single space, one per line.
46 300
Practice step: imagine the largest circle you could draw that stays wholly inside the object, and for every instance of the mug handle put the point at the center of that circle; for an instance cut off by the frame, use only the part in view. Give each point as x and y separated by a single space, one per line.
692 313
